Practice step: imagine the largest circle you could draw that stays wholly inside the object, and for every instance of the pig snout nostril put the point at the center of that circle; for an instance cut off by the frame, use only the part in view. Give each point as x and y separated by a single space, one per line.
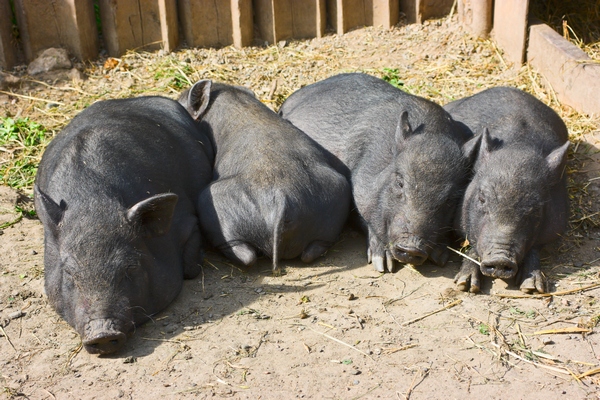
499 268
409 255
105 343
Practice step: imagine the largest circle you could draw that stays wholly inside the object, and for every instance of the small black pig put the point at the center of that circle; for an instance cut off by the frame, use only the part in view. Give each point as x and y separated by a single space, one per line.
117 194
517 200
273 191
406 159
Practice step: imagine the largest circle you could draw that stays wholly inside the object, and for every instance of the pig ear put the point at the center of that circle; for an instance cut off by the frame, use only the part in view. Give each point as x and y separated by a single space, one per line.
486 144
198 98
154 214
556 160
470 148
403 129
53 210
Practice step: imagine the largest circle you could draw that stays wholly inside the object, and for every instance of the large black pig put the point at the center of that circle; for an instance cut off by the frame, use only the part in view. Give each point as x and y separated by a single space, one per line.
517 200
274 192
117 193
406 159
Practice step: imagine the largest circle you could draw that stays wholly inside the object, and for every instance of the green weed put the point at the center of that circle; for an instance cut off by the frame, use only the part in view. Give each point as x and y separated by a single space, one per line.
21 143
392 75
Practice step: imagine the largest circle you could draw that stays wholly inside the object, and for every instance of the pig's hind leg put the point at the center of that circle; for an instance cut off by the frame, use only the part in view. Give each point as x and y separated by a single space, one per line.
314 249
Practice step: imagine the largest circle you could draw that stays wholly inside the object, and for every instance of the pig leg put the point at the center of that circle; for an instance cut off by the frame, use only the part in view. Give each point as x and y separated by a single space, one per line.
239 252
314 249
530 277
469 277
192 255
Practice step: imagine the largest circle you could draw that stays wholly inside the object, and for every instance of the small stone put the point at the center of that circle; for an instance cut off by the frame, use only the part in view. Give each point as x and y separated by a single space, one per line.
129 360
16 314
33 252
547 341
49 60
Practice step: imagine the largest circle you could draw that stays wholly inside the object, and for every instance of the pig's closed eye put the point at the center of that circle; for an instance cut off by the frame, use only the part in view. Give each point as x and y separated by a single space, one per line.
399 182
481 198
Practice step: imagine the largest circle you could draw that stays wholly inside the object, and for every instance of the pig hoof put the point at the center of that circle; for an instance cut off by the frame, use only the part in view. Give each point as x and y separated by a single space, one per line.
389 262
467 283
535 283
378 263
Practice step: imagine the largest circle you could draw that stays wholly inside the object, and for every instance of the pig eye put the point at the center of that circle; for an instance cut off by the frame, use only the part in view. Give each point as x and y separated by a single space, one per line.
399 182
481 198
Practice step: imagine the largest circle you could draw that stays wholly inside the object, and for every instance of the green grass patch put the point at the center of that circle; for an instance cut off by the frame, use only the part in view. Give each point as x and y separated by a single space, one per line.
21 145
392 76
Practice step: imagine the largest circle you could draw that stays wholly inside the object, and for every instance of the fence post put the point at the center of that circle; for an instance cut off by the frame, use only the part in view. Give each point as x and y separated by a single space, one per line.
386 13
510 28
242 23
476 16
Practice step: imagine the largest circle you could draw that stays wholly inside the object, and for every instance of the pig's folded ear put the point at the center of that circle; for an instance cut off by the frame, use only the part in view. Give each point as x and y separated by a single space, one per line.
471 147
556 160
54 211
198 98
154 214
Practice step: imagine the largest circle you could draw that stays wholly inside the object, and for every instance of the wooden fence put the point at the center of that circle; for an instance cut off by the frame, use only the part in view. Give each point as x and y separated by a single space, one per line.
28 26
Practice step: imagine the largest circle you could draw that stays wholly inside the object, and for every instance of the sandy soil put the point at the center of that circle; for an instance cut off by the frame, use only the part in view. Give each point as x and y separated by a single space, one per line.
334 329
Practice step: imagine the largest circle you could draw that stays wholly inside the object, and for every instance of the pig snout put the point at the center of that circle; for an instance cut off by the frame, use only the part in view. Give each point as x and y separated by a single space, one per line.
103 337
499 266
409 254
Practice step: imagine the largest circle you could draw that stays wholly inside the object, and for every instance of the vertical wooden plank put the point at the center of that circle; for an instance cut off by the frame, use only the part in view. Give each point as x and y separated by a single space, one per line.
138 24
8 48
264 15
59 23
206 23
301 19
348 14
168 24
510 28
242 23
410 8
476 16
386 13
429 9
283 19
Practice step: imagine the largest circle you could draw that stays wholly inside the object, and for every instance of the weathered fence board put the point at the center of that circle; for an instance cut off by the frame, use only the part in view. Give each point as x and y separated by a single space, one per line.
386 13
510 28
206 23
8 49
284 19
420 10
347 14
575 81
139 24
476 16
242 22
60 23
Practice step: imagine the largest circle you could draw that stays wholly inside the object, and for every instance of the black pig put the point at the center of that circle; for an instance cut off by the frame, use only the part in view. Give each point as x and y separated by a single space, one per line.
117 193
517 200
406 159
274 192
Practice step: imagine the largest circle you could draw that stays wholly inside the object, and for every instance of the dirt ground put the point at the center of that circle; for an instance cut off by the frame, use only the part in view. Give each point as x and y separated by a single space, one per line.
334 329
